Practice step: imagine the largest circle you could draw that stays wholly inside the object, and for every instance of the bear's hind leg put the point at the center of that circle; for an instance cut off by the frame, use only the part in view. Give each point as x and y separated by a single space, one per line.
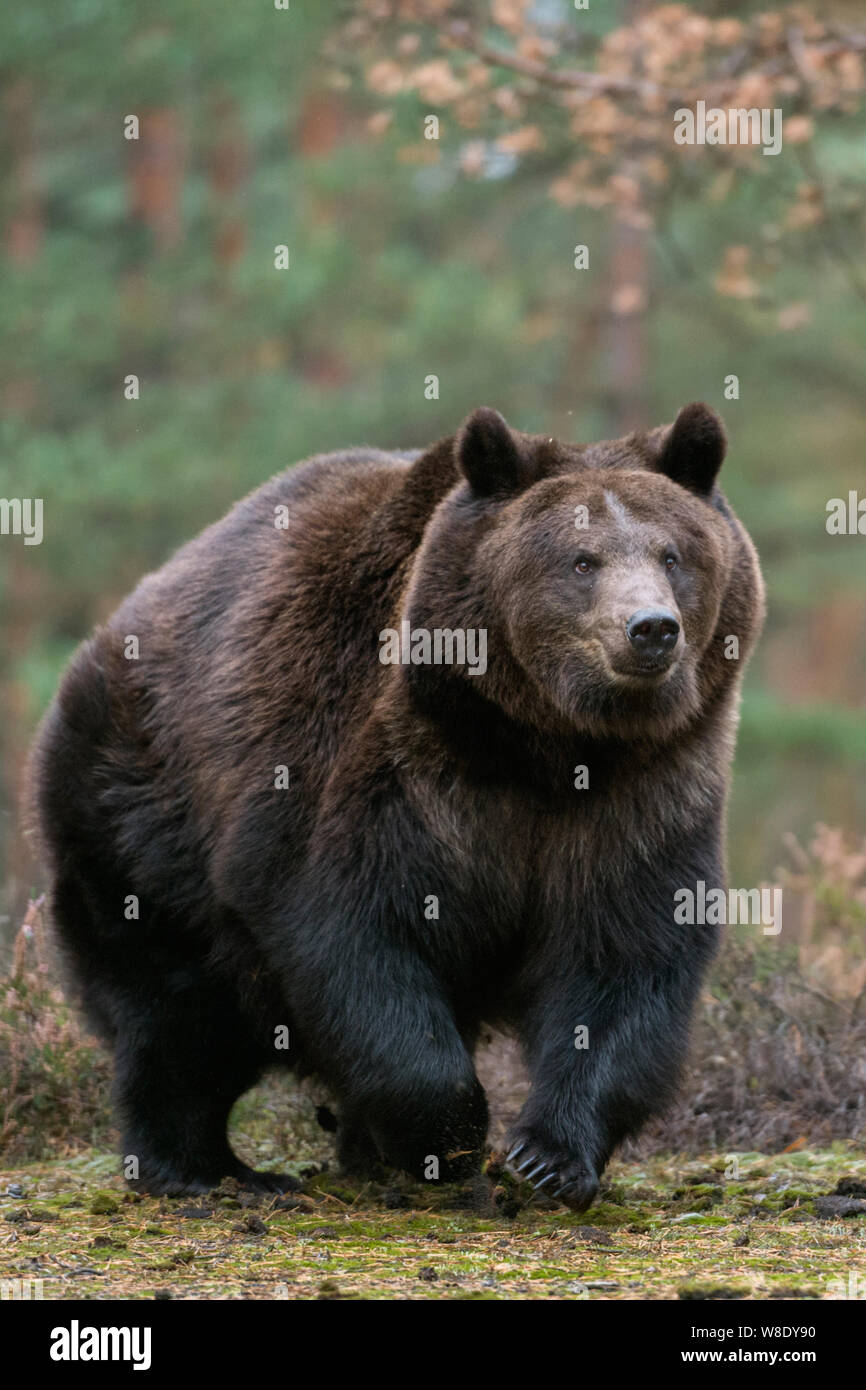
181 1063
184 1049
356 1149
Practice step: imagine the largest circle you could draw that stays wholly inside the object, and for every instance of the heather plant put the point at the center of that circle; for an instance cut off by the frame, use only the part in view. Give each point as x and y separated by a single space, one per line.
54 1079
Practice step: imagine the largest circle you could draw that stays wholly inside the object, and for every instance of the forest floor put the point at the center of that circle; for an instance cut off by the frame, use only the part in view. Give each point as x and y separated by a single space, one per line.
747 1226
777 1066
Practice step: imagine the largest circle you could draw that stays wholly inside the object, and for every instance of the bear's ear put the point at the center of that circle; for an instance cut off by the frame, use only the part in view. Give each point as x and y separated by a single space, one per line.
489 454
694 448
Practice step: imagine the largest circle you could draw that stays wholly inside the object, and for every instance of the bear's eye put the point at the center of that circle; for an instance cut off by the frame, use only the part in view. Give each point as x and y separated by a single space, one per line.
583 564
671 561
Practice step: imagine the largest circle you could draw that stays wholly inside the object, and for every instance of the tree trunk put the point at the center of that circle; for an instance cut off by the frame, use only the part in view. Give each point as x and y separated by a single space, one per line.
23 231
156 176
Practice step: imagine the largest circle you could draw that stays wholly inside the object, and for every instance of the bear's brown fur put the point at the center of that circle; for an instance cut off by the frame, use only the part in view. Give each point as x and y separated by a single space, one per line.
438 859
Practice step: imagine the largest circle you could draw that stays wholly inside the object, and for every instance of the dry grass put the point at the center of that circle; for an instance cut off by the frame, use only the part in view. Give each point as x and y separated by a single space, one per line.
54 1079
780 1046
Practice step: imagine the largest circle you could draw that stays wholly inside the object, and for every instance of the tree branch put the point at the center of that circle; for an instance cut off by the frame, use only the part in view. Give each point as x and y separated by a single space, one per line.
461 35
568 79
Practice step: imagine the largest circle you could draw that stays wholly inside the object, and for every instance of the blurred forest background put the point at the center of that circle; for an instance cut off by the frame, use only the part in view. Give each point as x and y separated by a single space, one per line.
308 126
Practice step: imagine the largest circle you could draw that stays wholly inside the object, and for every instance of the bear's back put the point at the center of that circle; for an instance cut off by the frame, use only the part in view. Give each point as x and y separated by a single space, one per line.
255 645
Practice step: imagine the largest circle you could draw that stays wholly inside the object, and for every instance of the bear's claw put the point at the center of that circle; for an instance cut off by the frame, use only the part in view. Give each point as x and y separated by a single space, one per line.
527 1162
544 1181
576 1183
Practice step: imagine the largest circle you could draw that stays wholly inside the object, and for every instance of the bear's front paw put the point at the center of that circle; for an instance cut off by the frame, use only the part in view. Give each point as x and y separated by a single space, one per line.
552 1170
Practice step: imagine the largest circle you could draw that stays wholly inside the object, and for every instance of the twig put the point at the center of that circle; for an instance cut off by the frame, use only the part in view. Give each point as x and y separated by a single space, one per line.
817 994
856 1007
569 79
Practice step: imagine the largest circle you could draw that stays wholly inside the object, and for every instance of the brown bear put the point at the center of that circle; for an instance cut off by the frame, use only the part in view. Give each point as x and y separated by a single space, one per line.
404 745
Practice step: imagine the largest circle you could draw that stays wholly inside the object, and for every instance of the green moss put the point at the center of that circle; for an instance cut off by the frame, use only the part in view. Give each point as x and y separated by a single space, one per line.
103 1204
712 1291
698 1192
608 1216
375 1252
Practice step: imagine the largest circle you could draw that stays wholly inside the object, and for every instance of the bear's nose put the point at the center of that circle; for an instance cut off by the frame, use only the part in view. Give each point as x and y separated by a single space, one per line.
653 632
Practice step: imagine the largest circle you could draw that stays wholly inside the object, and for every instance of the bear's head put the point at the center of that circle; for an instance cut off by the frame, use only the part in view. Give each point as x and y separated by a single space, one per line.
618 593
